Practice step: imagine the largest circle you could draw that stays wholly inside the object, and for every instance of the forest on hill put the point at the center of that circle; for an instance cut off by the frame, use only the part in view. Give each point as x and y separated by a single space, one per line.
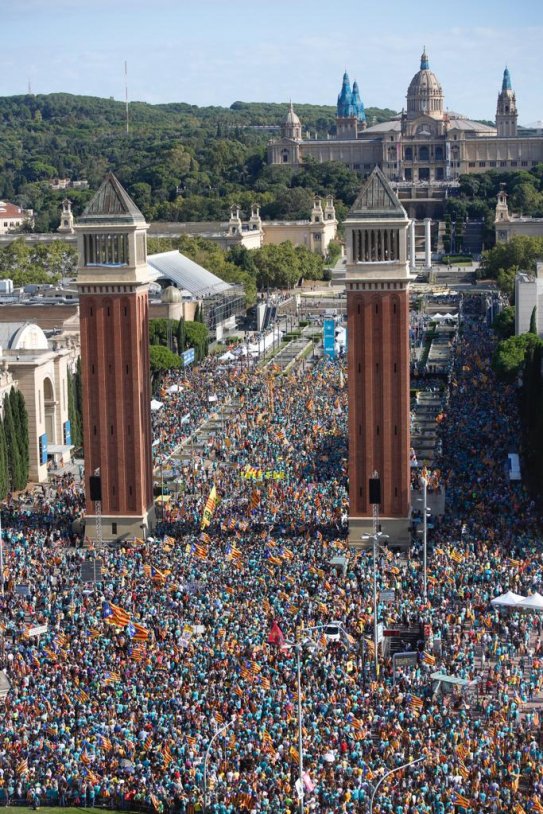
178 161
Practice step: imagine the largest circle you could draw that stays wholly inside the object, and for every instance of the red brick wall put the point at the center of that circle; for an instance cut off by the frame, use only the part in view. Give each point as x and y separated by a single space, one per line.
116 399
378 364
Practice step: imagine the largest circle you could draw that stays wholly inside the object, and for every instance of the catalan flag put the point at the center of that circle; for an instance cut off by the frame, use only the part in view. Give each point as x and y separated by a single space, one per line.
85 759
115 615
536 805
112 678
429 659
205 538
22 767
141 634
416 704
233 553
273 559
167 756
155 802
210 507
92 778
294 754
191 740
459 800
199 551
463 769
456 556
518 809
148 742
254 500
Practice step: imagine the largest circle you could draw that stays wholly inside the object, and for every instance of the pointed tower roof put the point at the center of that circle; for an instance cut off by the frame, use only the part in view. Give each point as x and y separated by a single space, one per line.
357 103
377 199
424 61
111 204
344 100
506 83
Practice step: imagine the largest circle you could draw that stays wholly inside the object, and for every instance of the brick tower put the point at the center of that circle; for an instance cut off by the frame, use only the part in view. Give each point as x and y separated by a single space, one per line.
114 321
377 281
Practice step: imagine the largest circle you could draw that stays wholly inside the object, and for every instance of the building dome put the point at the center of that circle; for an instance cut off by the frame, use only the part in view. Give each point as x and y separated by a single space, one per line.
171 294
291 117
292 126
425 96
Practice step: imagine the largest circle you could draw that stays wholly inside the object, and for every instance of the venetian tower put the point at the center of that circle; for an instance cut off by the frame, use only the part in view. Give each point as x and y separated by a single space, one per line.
114 322
377 282
506 109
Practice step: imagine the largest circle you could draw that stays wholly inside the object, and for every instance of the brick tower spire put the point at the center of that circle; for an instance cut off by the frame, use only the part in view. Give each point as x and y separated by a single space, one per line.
377 281
113 302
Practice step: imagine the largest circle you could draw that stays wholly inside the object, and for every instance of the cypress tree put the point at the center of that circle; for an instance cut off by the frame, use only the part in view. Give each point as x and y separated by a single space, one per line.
533 321
14 458
21 421
73 415
181 336
79 398
4 474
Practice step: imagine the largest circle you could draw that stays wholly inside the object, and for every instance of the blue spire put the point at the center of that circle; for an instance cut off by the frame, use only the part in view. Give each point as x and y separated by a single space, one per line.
358 104
424 64
506 84
344 100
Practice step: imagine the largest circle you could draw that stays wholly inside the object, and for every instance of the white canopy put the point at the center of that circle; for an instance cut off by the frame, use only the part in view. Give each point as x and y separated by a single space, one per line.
156 405
508 599
533 602
227 357
174 388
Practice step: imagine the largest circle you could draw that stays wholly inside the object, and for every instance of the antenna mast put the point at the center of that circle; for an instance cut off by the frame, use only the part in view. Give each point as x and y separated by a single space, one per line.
126 93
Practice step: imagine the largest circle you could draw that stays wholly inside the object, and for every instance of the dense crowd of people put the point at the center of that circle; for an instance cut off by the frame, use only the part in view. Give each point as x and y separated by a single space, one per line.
172 682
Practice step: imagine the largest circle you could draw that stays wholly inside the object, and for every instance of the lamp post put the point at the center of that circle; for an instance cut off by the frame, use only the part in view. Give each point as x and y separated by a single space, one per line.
297 647
424 483
376 539
208 751
387 774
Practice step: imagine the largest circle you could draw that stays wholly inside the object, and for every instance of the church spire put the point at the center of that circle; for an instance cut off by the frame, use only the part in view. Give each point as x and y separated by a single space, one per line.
424 62
506 84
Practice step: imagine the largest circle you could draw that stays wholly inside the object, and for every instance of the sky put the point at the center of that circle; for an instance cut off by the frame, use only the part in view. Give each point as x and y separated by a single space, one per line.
215 52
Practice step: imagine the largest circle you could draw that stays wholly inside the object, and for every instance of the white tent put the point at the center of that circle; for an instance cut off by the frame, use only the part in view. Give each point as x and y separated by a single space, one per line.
174 388
227 357
508 600
533 602
156 405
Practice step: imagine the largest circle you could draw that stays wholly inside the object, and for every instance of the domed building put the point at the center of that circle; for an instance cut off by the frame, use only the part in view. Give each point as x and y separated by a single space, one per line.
426 145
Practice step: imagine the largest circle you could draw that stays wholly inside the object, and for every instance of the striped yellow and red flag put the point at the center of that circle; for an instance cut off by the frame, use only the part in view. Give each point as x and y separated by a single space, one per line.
429 659
167 756
459 800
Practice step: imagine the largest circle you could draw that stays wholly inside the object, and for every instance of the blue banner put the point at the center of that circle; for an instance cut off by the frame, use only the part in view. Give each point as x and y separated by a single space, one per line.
329 338
188 357
43 448
67 432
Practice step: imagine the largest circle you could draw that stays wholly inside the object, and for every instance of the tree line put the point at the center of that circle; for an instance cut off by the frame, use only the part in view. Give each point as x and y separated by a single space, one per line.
178 161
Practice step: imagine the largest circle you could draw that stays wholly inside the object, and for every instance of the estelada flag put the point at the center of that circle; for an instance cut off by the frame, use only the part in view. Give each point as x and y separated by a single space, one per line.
276 636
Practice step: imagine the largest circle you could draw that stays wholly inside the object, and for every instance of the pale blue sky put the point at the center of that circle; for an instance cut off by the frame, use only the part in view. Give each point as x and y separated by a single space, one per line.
219 51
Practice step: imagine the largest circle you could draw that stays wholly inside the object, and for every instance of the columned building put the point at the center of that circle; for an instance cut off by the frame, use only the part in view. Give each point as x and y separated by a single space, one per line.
424 148
377 282
113 300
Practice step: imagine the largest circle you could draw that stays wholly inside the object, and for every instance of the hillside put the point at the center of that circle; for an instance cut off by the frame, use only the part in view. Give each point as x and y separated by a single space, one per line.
179 161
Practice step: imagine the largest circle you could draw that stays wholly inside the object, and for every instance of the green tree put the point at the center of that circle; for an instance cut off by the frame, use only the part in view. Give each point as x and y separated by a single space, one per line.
20 421
4 471
510 355
15 468
533 321
197 337
504 323
161 360
520 252
73 412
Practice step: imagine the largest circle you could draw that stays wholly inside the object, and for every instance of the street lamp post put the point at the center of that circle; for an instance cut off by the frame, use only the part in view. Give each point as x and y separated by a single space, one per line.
424 483
208 751
297 647
376 539
387 774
